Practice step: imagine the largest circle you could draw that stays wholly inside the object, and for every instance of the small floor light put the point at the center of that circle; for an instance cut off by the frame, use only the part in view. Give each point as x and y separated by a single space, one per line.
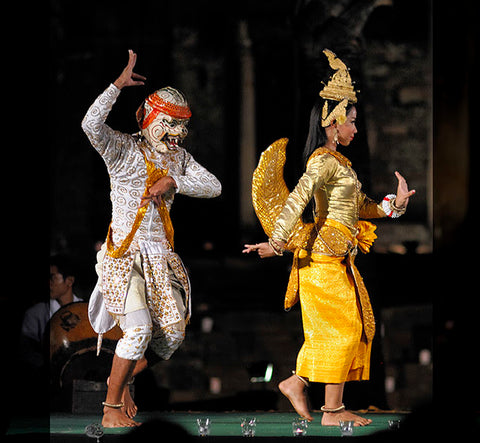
260 372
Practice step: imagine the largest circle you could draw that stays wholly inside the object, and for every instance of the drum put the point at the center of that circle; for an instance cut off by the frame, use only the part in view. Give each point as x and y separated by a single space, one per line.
73 347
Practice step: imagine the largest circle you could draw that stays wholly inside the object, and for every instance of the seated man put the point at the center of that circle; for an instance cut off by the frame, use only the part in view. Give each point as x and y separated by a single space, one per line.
62 279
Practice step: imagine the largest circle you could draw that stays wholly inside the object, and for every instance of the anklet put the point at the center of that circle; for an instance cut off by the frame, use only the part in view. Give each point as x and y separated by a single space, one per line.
109 405
132 380
325 409
305 381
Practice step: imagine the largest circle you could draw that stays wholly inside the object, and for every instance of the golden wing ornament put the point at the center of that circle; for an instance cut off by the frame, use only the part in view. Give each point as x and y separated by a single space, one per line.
270 192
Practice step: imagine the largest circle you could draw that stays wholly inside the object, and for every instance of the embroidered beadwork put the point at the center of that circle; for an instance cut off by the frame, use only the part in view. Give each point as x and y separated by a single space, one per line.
116 276
159 291
153 175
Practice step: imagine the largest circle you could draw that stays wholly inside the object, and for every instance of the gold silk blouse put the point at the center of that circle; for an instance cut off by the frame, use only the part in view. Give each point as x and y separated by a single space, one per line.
331 181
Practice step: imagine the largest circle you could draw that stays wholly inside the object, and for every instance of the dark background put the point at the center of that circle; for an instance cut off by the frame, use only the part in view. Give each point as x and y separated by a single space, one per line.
194 46
196 49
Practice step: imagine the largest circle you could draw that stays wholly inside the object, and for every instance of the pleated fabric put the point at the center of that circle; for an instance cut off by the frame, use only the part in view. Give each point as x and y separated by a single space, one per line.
335 349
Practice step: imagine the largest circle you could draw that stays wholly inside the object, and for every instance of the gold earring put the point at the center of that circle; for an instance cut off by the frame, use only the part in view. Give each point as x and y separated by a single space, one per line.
335 136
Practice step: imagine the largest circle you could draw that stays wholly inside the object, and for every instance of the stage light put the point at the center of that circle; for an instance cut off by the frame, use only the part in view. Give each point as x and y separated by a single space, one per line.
260 372
268 372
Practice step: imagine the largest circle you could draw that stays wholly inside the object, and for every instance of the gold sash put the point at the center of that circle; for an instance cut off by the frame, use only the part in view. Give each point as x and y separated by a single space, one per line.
349 244
153 175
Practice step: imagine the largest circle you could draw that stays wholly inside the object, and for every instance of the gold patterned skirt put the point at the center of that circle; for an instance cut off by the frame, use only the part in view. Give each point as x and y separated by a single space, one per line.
335 348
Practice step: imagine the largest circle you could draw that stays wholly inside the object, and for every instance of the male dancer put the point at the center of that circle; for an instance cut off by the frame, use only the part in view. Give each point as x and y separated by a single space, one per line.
142 285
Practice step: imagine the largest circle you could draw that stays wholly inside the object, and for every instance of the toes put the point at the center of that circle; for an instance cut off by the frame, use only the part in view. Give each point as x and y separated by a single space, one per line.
308 417
364 421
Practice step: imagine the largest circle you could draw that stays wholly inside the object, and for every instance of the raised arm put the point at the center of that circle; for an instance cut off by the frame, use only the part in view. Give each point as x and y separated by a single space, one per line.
103 138
128 77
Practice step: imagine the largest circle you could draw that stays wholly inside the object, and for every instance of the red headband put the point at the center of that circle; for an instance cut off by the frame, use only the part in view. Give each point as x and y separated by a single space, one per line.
159 105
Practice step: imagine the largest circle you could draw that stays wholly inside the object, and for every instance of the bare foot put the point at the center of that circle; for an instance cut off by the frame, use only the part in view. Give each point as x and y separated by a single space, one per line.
130 408
116 418
294 389
333 418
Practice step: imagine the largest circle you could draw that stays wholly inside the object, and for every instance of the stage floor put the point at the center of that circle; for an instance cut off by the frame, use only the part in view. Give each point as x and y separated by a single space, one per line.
223 424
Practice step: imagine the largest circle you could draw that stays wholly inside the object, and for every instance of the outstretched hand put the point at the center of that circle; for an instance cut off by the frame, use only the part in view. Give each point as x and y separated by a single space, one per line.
128 77
403 194
264 249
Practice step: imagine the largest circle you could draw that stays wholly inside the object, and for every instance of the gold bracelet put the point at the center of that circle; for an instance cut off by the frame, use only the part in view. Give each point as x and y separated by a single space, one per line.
394 207
113 406
398 212
325 409
277 249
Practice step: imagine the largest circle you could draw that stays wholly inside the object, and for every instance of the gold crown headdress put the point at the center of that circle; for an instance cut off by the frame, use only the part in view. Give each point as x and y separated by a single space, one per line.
339 88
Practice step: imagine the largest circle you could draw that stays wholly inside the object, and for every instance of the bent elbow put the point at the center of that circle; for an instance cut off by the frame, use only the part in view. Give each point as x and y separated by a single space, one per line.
218 189
84 125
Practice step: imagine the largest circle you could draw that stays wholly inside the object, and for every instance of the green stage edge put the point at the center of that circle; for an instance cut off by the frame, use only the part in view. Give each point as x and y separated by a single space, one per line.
225 424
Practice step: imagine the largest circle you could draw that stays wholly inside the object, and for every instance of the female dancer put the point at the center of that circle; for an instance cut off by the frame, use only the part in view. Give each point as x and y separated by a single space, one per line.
337 317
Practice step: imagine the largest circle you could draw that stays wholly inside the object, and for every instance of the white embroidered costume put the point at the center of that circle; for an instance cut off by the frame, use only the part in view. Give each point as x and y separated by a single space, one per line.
148 274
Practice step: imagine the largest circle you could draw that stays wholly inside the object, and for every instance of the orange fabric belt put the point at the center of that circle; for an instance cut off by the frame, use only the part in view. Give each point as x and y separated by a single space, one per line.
153 175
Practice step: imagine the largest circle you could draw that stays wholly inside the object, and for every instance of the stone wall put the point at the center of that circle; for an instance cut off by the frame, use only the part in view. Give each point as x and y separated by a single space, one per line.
398 113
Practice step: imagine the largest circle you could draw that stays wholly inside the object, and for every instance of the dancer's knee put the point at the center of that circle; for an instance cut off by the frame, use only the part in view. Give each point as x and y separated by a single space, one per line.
133 344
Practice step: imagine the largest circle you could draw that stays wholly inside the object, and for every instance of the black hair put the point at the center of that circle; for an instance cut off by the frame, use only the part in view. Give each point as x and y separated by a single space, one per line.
317 136
64 265
316 133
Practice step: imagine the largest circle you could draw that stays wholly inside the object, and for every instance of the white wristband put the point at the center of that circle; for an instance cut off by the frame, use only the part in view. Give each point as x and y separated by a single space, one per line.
387 206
